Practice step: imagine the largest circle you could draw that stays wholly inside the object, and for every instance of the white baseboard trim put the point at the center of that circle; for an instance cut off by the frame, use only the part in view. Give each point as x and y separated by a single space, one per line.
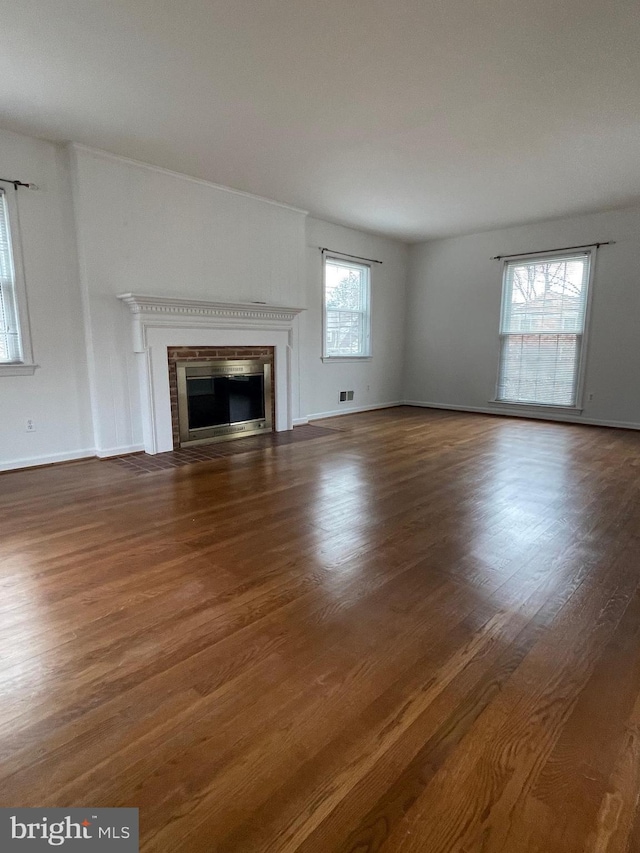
105 453
523 413
316 416
300 421
48 459
72 456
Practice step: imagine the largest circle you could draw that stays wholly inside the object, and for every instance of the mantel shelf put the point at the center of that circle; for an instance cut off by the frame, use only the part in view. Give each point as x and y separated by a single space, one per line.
159 305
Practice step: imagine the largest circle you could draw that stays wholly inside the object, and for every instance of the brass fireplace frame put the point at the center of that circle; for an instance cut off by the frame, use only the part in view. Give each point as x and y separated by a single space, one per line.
222 432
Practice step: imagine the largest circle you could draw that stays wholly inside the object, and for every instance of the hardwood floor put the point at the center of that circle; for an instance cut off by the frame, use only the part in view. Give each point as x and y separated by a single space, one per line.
420 632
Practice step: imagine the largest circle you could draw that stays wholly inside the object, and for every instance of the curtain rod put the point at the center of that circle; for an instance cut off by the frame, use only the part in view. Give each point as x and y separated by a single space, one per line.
347 255
17 184
561 249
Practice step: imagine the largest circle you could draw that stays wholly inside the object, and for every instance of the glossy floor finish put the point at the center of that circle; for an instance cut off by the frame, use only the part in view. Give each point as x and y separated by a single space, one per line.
418 633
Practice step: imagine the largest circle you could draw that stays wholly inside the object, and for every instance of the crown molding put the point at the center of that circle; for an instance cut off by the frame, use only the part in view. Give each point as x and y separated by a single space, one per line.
150 167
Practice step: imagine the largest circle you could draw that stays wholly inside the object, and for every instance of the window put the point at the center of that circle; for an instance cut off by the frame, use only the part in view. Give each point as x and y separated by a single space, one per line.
544 312
347 309
15 344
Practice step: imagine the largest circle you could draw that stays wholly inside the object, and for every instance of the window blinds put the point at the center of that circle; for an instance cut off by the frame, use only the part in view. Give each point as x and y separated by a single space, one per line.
544 308
9 333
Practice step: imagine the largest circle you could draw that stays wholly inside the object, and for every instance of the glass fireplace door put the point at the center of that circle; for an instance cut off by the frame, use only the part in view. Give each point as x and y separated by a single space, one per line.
208 401
223 399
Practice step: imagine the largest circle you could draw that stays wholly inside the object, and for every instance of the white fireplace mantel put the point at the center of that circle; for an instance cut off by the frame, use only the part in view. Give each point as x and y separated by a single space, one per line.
161 321
165 310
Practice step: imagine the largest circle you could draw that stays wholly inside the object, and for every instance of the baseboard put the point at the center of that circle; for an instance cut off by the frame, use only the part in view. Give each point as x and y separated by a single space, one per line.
300 421
523 413
105 453
316 416
48 459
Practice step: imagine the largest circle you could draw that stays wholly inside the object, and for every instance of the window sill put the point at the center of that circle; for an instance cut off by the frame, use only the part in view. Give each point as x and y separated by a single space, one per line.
537 407
329 359
8 369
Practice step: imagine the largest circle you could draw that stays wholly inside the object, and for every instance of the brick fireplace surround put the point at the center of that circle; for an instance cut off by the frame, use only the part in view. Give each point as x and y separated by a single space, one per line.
175 354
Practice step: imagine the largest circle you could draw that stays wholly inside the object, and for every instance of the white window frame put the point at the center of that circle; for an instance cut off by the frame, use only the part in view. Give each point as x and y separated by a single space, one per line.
25 365
577 408
337 258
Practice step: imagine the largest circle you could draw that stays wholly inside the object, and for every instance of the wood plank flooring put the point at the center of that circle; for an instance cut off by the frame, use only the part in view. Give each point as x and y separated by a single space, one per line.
420 632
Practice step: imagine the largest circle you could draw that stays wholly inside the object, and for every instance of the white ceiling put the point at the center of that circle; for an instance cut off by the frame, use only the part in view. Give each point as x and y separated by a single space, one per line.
415 118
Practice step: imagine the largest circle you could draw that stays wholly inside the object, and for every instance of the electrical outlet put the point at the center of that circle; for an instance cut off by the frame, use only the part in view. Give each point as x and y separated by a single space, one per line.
343 397
30 425
349 395
590 397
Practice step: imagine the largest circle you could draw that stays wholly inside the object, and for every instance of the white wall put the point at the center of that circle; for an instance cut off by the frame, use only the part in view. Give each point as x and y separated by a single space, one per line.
373 382
453 308
149 231
103 225
56 396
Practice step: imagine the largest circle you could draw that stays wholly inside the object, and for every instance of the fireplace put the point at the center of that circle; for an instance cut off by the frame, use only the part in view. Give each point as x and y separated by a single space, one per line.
223 409
219 400
191 329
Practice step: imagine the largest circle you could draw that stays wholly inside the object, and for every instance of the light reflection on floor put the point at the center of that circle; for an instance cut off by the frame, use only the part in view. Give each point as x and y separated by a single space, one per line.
496 523
25 636
342 491
508 512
